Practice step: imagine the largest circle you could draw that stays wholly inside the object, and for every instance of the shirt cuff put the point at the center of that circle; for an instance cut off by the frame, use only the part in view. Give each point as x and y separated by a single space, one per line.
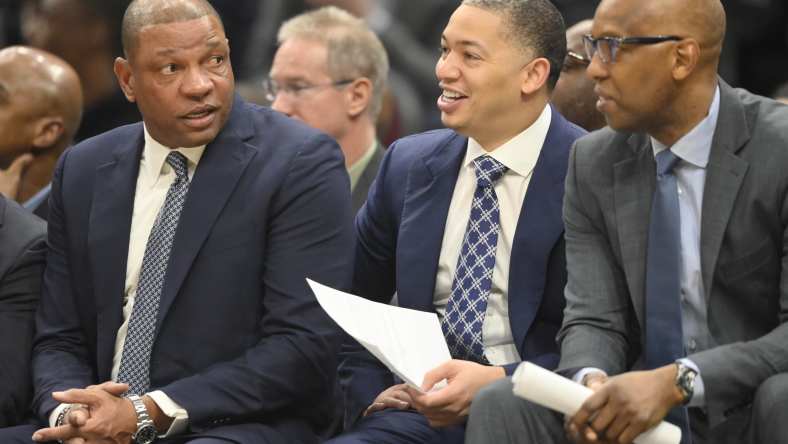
180 418
578 377
698 391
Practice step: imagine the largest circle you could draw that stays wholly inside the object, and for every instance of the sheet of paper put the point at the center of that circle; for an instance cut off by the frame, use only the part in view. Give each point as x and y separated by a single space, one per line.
557 393
409 342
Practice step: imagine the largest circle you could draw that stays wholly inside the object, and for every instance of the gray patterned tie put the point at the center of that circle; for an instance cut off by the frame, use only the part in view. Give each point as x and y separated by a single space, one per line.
135 361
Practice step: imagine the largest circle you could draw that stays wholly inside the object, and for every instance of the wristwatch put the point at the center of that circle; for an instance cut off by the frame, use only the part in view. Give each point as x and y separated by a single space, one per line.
146 431
685 381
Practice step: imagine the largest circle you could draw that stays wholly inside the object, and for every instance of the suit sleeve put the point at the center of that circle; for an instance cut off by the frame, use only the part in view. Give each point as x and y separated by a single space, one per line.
20 289
293 366
362 377
594 332
732 373
60 355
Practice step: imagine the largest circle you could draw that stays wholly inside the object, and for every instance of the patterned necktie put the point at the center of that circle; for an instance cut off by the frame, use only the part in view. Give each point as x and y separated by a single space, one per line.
467 305
664 336
135 361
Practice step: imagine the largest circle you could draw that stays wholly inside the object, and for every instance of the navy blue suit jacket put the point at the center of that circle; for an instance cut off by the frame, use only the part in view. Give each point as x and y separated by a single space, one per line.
399 234
240 337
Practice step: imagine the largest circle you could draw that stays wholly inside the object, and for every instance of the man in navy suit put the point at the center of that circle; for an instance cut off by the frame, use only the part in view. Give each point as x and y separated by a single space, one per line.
466 222
174 300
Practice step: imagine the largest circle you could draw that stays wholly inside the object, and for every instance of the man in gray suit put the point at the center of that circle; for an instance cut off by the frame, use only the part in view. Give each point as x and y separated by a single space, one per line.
22 249
676 235
330 72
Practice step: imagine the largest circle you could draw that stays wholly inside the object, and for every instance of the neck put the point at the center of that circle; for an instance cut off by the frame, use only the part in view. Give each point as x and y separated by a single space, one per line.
357 140
691 107
510 124
38 174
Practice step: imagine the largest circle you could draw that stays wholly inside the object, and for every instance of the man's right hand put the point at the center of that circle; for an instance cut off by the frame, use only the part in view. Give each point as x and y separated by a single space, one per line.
394 397
594 381
12 177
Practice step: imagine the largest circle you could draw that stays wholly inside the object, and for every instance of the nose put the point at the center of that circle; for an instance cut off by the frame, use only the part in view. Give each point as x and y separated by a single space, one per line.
282 104
597 69
197 83
445 69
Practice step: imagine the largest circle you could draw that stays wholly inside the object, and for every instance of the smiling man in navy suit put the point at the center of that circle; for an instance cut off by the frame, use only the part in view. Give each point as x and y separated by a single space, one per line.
466 222
178 249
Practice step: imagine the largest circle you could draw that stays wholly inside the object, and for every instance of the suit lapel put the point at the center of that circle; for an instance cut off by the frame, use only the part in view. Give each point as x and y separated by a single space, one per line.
539 227
430 187
724 176
108 242
367 177
217 174
633 192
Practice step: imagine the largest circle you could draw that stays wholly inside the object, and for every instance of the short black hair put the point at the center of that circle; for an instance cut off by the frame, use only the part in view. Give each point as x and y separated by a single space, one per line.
536 25
142 13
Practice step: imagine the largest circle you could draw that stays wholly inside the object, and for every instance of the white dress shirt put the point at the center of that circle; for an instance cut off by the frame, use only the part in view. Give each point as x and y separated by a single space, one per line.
153 181
519 154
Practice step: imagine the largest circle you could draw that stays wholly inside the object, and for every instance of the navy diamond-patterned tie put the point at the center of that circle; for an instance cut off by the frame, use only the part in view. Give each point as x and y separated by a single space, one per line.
467 303
135 361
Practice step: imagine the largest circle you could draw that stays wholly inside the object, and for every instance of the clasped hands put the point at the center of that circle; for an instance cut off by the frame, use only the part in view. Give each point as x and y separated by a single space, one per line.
624 406
100 416
445 406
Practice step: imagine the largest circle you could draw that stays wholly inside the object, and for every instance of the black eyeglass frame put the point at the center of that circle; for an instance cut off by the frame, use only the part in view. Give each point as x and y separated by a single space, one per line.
575 60
591 44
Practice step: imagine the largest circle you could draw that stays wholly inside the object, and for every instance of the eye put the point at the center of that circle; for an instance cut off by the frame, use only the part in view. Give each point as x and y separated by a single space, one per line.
216 60
471 56
169 68
443 51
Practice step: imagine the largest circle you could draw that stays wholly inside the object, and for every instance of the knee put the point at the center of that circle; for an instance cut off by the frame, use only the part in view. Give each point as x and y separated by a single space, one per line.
495 396
772 395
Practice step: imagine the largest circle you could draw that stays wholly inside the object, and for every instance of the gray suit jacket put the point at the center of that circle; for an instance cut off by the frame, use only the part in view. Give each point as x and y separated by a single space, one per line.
22 249
360 191
609 189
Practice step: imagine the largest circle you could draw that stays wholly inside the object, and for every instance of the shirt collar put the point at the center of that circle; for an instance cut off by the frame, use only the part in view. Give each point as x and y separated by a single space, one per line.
695 146
521 152
357 169
155 156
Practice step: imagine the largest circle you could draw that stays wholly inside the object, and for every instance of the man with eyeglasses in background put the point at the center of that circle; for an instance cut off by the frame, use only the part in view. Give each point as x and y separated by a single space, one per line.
676 240
574 95
330 72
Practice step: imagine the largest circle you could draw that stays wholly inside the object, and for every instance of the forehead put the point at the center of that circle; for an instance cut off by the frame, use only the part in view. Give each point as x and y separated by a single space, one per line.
470 24
300 58
622 18
167 38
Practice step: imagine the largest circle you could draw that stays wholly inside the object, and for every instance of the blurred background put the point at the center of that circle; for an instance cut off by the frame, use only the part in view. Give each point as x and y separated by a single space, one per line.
86 34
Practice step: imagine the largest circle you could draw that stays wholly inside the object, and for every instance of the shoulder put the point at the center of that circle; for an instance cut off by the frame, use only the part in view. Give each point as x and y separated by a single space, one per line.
19 229
603 148
280 132
424 146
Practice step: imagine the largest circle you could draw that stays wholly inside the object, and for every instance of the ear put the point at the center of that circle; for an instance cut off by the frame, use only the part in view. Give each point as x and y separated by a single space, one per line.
358 96
125 77
534 75
686 57
48 131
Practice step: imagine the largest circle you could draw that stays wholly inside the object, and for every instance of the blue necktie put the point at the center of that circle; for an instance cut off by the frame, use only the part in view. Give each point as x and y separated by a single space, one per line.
135 361
664 336
467 305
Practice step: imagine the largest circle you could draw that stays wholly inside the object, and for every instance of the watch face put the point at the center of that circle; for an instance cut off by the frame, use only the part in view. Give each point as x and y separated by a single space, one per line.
145 435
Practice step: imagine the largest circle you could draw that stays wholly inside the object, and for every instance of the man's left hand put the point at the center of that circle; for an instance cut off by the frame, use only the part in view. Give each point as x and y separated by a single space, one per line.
450 404
112 418
626 406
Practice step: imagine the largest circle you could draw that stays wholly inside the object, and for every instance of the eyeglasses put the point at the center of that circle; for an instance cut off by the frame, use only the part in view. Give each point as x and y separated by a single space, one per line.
272 88
575 60
607 47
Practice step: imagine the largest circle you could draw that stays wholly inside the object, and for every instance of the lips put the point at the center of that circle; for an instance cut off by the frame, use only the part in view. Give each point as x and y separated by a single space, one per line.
450 100
200 117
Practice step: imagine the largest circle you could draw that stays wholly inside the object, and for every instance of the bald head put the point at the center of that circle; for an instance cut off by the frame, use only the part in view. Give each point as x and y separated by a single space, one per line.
701 20
143 13
575 33
47 83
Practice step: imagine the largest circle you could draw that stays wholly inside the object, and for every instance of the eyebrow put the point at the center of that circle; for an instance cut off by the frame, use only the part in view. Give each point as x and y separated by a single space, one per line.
169 51
466 43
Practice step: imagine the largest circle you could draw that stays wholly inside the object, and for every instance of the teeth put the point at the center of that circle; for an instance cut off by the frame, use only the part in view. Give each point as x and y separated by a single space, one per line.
451 95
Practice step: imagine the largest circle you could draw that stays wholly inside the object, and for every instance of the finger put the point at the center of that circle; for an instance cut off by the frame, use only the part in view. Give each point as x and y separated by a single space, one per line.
629 434
602 421
590 407
438 374
113 388
62 433
395 403
374 407
595 381
441 399
615 429
402 395
77 396
19 164
77 417
77 440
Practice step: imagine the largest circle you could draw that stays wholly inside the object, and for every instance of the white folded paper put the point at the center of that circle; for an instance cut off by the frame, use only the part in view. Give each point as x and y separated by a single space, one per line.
409 342
557 393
